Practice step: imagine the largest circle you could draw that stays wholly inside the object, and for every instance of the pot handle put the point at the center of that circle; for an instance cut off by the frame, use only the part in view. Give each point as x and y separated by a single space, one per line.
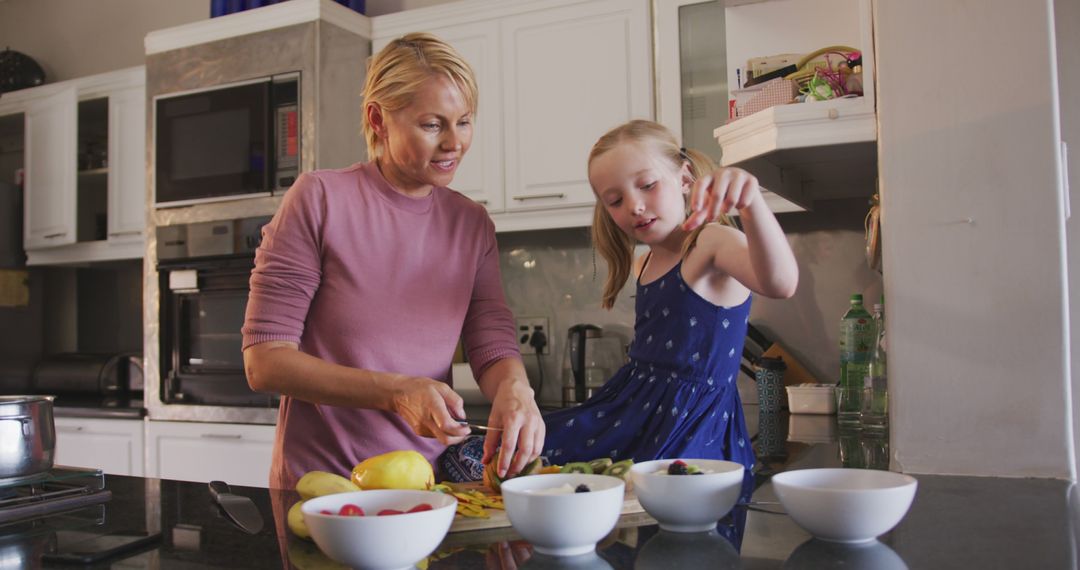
26 421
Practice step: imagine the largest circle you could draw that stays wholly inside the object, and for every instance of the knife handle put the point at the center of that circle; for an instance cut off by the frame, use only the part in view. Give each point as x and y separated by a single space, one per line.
218 488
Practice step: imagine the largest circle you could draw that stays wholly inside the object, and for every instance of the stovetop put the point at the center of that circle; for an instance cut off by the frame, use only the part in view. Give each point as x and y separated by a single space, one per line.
58 490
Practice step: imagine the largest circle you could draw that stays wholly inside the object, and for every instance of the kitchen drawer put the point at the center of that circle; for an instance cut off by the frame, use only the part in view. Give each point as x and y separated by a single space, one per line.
112 445
238 454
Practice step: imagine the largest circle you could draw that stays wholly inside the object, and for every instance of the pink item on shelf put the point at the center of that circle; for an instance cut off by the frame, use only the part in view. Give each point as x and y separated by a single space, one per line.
778 91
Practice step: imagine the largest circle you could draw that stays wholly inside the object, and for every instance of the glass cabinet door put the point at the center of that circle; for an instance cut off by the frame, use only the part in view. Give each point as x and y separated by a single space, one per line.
691 71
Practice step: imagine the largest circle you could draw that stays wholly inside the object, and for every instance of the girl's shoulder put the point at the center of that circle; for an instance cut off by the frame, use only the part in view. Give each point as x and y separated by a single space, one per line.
716 238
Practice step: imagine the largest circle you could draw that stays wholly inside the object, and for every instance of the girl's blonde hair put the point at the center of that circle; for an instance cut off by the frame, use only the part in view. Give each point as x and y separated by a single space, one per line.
397 71
614 245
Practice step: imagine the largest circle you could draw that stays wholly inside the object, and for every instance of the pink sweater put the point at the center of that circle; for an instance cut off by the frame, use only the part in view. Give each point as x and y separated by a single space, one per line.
363 276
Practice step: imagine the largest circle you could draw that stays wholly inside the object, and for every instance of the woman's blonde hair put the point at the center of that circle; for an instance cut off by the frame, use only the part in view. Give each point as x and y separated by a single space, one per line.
614 245
397 71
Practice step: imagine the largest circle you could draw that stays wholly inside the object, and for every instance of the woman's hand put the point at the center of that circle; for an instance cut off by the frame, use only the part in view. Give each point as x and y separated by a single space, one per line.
513 408
718 193
429 407
522 436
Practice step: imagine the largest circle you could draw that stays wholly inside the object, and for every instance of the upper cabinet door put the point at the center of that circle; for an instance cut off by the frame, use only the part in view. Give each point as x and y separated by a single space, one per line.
570 74
127 164
480 174
50 170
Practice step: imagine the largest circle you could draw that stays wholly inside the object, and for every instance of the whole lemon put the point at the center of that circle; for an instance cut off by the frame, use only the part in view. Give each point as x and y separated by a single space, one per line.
405 469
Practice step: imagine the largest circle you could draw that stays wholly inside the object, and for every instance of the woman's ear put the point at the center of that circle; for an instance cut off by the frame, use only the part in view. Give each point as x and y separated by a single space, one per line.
375 118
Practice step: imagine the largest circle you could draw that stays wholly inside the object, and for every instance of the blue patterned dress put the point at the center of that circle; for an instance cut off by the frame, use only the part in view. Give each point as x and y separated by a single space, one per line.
677 395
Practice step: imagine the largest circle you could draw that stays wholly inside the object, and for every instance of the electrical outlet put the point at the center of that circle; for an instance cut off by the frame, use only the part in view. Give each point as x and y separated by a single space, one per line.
527 327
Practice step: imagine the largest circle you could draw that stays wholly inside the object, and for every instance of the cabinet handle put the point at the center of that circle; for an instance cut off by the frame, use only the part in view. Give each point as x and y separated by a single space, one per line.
50 236
524 197
69 429
221 435
484 202
127 233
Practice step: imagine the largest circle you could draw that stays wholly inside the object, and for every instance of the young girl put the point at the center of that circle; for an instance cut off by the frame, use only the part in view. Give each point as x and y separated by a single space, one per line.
677 396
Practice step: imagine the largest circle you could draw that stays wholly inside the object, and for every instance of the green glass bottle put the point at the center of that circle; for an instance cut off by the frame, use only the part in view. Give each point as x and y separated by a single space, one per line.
856 346
875 404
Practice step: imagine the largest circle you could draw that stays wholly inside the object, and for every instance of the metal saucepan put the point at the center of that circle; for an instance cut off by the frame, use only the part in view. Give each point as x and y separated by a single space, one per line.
28 435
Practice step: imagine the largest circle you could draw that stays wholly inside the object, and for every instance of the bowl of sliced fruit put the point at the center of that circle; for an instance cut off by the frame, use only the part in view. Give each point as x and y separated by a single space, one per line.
563 514
687 495
389 528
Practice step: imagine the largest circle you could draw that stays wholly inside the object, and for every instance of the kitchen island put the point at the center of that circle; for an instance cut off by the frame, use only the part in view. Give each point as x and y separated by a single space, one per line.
955 522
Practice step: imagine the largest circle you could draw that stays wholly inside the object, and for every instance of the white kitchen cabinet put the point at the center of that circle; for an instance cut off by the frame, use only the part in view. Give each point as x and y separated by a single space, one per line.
84 157
550 83
113 445
194 451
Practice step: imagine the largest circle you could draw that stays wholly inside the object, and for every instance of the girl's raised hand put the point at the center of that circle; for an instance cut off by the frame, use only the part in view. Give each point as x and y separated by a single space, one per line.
718 193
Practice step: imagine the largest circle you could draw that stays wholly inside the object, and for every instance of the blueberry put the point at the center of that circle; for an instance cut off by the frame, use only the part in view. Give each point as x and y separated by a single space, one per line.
582 488
677 468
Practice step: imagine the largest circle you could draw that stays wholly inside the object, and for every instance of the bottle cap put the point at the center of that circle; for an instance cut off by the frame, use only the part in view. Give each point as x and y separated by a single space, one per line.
879 307
856 297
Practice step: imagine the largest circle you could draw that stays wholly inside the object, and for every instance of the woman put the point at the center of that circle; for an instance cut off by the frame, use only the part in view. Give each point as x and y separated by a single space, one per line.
368 275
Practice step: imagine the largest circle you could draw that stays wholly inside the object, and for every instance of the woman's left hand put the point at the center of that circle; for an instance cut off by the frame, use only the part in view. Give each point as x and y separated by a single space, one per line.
522 436
718 193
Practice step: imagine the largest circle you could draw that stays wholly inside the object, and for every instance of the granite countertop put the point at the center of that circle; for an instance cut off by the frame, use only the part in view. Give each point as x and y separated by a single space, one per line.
955 522
106 407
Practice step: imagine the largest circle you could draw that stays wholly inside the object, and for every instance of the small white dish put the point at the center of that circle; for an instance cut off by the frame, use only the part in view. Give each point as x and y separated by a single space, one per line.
564 524
845 505
379 542
687 503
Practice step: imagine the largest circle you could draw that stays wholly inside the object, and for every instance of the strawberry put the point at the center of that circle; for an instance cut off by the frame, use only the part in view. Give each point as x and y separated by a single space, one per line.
350 510
419 508
385 512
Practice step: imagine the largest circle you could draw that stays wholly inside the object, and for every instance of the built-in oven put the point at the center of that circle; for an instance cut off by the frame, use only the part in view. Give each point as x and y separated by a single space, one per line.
227 142
203 272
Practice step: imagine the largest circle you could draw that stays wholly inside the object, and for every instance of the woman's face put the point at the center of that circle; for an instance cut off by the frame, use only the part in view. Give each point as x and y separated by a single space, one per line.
423 143
643 194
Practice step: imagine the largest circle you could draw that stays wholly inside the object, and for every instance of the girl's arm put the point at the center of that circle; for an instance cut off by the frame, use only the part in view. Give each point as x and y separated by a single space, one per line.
761 258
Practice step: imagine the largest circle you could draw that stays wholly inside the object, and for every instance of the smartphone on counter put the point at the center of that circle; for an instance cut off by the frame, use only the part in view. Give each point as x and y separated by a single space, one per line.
76 547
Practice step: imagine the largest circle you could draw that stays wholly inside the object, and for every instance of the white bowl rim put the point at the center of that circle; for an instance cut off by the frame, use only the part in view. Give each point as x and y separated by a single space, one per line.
648 468
313 505
511 485
891 480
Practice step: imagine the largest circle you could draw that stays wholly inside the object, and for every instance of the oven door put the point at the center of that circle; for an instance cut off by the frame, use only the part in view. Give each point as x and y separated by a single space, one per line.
202 310
213 144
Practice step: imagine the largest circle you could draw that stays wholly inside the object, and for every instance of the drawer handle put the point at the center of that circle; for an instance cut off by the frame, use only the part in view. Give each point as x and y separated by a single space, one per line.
127 233
221 435
50 236
69 429
484 202
524 197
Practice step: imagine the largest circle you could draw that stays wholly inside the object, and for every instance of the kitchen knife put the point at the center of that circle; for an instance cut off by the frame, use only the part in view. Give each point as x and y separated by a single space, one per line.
241 509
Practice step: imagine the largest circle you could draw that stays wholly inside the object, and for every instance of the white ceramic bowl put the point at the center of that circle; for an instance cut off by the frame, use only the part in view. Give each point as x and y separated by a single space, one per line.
687 503
377 542
845 505
563 525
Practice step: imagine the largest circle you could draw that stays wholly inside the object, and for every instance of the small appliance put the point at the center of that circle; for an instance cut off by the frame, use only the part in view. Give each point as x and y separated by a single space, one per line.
589 359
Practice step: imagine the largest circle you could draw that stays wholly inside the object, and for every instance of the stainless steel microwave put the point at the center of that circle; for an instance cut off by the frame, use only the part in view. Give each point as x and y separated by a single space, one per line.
240 140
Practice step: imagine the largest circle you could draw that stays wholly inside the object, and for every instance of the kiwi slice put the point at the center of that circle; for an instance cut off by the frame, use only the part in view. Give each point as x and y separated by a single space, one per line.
600 465
577 467
620 468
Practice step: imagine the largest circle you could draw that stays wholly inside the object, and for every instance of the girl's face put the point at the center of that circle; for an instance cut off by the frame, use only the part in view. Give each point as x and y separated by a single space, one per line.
423 143
642 192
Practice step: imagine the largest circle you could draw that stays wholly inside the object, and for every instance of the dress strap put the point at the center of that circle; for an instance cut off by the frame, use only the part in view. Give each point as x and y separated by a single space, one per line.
648 256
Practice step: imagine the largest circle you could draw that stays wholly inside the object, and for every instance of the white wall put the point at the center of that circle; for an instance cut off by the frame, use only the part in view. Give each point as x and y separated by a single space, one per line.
75 39
1066 22
977 311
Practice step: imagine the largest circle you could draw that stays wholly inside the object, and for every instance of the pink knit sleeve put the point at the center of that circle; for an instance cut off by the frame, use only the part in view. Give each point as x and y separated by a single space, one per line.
489 325
287 266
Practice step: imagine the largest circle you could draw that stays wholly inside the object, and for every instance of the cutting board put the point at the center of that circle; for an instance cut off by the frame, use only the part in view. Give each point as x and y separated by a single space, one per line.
499 519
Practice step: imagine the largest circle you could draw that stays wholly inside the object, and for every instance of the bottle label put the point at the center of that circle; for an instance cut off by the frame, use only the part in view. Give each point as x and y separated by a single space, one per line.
856 339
